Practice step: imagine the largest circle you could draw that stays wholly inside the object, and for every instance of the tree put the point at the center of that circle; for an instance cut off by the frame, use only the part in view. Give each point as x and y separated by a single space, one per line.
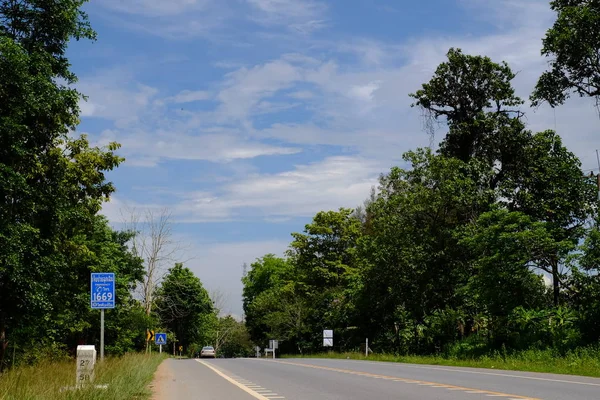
182 304
238 342
414 263
219 300
475 97
153 242
51 185
573 42
550 187
503 244
266 276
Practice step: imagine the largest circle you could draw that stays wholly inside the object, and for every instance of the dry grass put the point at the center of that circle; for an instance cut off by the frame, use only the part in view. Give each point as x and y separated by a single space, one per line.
127 378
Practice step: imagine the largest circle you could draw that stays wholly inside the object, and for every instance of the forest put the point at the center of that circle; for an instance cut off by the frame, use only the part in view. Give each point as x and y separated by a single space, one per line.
490 243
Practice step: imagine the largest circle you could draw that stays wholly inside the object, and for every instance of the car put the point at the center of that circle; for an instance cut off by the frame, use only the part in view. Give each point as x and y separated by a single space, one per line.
208 351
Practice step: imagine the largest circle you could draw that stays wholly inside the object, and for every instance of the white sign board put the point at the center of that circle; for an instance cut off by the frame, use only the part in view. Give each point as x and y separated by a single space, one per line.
274 344
328 338
86 361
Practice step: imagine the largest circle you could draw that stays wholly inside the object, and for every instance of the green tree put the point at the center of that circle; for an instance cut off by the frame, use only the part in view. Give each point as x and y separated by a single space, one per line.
232 338
51 185
325 261
573 43
264 283
415 263
503 246
550 187
475 97
183 305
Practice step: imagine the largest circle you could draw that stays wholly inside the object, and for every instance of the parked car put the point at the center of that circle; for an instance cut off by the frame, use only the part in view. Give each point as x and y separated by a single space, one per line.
208 351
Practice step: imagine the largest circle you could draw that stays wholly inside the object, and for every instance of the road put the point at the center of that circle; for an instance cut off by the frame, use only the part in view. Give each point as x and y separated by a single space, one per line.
311 379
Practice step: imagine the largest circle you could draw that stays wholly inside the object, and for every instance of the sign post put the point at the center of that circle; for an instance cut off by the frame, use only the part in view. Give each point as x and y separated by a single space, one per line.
273 344
102 297
327 338
161 338
149 337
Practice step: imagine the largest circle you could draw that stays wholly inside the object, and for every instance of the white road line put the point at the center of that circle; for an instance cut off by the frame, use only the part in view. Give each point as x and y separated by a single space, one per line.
245 388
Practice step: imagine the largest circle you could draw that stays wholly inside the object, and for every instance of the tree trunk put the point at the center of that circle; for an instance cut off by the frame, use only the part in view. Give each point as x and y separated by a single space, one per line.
3 347
555 284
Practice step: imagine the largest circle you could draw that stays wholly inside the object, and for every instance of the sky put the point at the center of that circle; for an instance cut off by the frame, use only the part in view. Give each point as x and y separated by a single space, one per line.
246 117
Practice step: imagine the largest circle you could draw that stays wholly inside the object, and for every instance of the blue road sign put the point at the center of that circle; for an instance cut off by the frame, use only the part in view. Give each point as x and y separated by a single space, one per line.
160 338
103 290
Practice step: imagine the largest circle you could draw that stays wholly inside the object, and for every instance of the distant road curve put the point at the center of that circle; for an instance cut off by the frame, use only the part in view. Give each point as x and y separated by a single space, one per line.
308 379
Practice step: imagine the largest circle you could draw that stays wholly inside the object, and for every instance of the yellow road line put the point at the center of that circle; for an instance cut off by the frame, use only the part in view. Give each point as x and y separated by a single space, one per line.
395 378
245 388
506 375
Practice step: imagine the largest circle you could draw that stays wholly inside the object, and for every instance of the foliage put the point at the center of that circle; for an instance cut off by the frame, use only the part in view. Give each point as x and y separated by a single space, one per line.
233 338
448 256
573 43
183 304
52 186
475 97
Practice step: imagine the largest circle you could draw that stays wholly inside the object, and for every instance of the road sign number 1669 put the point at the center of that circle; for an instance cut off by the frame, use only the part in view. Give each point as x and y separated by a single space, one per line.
102 296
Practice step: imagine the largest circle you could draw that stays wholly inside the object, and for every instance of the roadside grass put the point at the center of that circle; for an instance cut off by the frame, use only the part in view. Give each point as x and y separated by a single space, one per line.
128 378
583 362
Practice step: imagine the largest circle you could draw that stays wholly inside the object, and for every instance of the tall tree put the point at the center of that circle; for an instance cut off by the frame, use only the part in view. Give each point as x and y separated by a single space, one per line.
182 304
263 283
51 185
415 264
573 44
475 97
550 187
153 242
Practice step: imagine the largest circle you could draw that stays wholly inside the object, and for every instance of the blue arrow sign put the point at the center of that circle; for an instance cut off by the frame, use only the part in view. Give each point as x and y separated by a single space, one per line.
103 290
160 338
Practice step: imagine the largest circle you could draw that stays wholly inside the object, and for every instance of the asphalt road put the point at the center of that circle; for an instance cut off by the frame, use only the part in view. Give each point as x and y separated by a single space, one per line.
304 379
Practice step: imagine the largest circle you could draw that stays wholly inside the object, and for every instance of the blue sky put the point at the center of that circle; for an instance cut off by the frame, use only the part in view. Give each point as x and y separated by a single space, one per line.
246 117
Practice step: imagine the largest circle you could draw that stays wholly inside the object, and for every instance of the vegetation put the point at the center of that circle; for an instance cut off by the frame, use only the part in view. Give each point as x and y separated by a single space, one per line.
573 43
584 362
52 187
447 258
126 377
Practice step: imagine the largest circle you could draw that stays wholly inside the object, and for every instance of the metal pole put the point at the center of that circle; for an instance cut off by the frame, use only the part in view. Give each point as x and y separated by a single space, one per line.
273 350
160 346
102 334
367 348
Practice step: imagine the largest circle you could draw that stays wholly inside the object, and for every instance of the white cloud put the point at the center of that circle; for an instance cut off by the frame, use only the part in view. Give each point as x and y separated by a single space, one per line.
148 149
189 96
340 181
112 95
155 8
364 92
302 95
303 16
172 19
245 88
364 108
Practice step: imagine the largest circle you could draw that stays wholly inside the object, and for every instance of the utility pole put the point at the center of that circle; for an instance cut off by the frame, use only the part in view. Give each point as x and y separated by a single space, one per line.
598 176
